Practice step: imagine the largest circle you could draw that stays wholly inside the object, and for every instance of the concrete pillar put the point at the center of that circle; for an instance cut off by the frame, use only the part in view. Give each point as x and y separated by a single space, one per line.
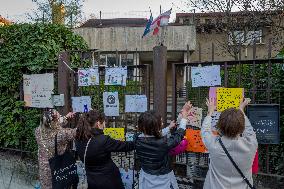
160 81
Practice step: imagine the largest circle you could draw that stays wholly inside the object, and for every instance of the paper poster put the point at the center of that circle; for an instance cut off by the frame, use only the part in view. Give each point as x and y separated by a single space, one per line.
195 117
94 76
129 136
38 90
205 76
116 76
58 100
135 103
215 118
115 133
213 94
81 103
111 103
127 177
229 98
87 77
195 143
265 121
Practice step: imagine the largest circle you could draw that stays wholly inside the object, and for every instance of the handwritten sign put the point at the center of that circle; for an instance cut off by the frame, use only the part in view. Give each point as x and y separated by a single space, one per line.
116 76
58 100
213 94
115 133
195 143
135 103
81 104
266 121
87 77
111 103
38 90
229 98
205 76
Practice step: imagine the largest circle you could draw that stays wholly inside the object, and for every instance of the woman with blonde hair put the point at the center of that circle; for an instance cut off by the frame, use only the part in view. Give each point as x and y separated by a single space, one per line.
50 126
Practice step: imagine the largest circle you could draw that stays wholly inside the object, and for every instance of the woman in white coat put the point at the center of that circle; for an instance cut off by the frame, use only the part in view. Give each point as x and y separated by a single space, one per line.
238 137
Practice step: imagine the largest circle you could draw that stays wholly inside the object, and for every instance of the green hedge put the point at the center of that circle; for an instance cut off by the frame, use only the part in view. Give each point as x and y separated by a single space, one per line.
28 48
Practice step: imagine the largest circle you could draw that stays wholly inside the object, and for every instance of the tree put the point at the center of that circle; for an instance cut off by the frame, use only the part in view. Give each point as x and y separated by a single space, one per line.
242 19
67 12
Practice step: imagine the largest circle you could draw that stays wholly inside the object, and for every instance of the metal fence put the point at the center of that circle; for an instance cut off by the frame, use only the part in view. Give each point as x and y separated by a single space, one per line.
262 81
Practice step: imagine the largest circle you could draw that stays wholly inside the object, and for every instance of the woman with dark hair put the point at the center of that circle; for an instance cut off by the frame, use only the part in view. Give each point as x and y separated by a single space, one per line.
50 126
236 135
153 148
102 173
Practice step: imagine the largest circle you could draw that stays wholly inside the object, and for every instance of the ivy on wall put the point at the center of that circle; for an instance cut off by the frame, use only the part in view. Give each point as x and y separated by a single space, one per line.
27 48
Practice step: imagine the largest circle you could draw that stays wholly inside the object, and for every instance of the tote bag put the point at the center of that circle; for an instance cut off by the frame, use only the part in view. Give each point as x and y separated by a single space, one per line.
63 170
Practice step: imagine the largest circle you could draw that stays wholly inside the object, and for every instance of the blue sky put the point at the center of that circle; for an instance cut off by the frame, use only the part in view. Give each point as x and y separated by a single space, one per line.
16 9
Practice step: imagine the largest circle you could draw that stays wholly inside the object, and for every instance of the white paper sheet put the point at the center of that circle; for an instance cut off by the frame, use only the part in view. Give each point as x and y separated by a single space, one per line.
38 90
58 100
81 103
111 103
116 76
205 76
135 103
87 77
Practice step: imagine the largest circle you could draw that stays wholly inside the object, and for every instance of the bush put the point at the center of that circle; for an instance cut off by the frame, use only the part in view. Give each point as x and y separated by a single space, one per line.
27 48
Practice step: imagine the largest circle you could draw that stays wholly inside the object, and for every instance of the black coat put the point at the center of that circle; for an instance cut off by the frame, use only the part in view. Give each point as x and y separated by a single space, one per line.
102 173
153 153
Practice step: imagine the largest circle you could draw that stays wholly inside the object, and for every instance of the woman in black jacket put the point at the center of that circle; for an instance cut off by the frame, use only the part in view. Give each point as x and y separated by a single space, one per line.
102 173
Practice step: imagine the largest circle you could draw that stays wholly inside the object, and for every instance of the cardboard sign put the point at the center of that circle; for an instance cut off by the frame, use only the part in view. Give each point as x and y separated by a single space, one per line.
265 121
115 133
195 143
205 76
38 90
229 98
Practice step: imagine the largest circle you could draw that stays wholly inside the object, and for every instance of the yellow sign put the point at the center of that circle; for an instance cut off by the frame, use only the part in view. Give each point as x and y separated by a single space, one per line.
229 98
115 133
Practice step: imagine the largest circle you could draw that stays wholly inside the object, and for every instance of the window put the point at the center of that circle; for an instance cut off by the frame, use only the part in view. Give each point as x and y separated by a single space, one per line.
245 39
123 59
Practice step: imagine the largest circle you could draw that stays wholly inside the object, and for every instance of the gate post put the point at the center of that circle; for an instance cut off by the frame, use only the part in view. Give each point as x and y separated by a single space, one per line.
160 81
63 82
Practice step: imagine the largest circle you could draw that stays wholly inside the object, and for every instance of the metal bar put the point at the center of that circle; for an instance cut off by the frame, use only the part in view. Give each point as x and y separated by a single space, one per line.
174 96
253 73
148 86
225 74
213 52
269 73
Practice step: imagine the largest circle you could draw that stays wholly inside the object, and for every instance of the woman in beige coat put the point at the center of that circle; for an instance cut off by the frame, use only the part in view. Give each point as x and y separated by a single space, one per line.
238 137
50 126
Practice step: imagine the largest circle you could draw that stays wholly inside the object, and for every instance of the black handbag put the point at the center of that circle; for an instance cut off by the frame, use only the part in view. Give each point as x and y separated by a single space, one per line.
235 165
63 170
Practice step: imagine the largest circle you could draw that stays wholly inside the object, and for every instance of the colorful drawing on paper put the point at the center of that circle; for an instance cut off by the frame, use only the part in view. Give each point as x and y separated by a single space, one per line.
129 136
116 76
205 76
127 177
38 90
94 77
115 133
111 103
229 98
195 117
81 103
58 100
215 118
195 143
135 103
87 77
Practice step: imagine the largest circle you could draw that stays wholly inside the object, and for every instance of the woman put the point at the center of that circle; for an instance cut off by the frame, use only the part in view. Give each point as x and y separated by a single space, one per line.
152 147
51 125
102 173
239 139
